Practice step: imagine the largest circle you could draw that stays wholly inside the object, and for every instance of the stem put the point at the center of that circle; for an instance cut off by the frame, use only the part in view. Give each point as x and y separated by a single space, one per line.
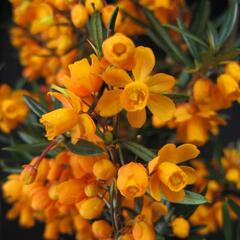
45 152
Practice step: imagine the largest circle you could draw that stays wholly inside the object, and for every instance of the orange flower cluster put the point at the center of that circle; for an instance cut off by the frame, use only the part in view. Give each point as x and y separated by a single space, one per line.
13 110
70 193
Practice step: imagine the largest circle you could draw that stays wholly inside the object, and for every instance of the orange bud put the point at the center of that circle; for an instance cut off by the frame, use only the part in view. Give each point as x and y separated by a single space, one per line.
28 174
91 190
132 180
107 12
93 5
71 191
180 227
104 169
90 208
142 231
101 229
79 15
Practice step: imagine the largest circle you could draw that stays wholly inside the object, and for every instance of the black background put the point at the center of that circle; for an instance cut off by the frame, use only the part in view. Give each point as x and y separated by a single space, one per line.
11 71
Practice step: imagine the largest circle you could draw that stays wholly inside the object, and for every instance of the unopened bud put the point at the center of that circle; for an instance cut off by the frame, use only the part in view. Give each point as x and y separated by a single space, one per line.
28 174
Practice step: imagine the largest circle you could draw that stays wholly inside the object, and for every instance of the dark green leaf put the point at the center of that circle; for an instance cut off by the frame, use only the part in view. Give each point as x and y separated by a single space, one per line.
40 95
111 24
229 23
164 36
200 18
186 33
183 79
20 83
8 169
139 150
234 206
227 225
97 31
29 148
177 97
27 138
85 148
229 55
212 36
192 198
34 106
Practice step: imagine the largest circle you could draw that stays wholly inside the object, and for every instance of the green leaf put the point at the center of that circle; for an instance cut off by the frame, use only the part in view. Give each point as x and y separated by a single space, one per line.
229 23
183 79
200 18
40 95
227 225
177 97
9 169
29 148
97 31
234 206
212 35
111 24
229 55
27 138
139 150
192 198
186 33
84 148
164 36
34 106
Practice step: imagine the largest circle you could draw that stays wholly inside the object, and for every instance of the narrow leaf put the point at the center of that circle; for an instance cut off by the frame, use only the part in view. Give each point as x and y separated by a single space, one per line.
97 31
84 148
29 148
229 23
200 18
192 198
34 106
227 225
164 35
139 150
234 206
112 22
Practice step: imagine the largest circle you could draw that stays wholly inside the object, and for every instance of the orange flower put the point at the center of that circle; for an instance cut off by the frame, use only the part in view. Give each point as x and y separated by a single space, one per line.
119 51
98 5
84 78
68 118
134 96
166 176
143 231
101 229
79 15
104 169
180 227
132 180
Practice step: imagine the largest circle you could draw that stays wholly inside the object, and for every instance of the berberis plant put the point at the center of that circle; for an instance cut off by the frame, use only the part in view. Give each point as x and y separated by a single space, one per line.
102 133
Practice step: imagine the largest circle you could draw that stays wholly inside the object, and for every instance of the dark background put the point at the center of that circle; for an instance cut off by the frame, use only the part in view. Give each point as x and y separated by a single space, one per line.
11 71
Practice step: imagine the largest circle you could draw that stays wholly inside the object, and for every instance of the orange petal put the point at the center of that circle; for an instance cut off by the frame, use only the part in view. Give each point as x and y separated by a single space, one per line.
116 77
191 174
167 153
161 106
173 196
144 63
186 152
160 82
152 165
155 187
61 98
137 118
110 103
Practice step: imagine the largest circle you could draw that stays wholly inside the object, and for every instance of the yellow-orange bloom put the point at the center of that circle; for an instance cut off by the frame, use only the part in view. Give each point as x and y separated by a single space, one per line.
84 78
68 118
132 180
180 227
107 12
169 178
119 50
135 95
233 69
93 5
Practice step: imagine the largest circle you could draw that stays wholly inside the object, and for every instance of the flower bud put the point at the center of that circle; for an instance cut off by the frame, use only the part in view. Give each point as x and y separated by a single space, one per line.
142 231
93 5
90 208
132 180
180 227
79 15
91 190
107 12
28 174
101 229
104 169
